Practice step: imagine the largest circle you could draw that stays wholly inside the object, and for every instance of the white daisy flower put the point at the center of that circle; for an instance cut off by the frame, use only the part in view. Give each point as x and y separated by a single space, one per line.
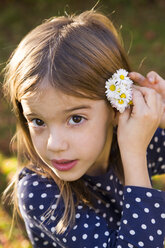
120 75
119 90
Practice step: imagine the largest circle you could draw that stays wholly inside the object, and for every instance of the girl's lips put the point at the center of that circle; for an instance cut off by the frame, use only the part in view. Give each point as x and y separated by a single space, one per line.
63 164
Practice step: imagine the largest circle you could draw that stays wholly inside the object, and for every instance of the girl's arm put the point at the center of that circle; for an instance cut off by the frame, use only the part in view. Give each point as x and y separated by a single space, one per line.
136 128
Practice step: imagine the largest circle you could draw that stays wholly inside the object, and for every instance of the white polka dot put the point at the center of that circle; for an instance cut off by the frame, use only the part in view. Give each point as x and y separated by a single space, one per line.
48 185
64 240
130 245
163 215
45 243
86 225
159 232
52 217
156 139
160 159
143 226
108 188
119 246
158 149
157 205
132 232
148 194
74 238
53 229
80 207
42 235
125 221
153 221
84 236
98 184
42 218
107 205
96 236
36 239
146 210
151 238
31 195
97 224
111 219
41 207
140 243
35 183
129 190
77 216
54 244
135 216
121 236
106 233
127 205
111 177
75 227
44 195
54 206
105 245
120 192
138 199
31 225
151 146
31 207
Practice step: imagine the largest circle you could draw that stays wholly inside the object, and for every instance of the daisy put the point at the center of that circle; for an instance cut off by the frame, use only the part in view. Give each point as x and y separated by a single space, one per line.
119 90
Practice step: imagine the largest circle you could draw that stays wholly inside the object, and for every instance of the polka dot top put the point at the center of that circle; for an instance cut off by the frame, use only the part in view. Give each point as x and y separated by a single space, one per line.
128 216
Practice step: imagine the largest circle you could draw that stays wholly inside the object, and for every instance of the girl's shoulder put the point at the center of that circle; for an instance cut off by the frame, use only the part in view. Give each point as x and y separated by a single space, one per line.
35 187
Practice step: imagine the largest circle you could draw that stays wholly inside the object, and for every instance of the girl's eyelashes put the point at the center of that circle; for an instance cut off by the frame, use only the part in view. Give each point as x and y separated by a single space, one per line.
76 120
37 122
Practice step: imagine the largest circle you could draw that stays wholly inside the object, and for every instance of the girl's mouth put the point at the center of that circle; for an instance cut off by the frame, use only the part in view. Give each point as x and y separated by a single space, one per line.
63 164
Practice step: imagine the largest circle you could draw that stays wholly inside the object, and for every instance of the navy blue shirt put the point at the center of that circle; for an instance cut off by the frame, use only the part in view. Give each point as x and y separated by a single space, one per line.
129 216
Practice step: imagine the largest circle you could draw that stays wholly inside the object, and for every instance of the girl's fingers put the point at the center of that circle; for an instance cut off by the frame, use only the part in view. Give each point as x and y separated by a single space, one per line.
153 77
138 78
139 103
151 97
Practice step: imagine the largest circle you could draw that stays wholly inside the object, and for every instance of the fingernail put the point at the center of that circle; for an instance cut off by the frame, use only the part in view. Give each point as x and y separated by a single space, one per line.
151 79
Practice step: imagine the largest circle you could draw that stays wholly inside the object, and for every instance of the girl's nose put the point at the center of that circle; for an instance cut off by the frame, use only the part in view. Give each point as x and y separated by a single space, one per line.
57 142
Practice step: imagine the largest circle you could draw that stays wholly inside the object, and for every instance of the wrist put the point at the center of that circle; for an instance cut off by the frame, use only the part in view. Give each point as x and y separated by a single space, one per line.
135 169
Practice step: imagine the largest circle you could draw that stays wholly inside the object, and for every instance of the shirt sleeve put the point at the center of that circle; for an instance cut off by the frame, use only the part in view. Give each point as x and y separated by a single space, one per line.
142 221
156 153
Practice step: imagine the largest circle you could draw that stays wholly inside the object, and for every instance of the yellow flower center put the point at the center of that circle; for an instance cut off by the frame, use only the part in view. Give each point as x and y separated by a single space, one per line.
130 103
123 95
118 90
120 101
112 87
121 77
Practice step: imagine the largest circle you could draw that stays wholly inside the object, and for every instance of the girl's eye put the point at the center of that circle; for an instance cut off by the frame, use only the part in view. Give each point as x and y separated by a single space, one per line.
76 119
37 122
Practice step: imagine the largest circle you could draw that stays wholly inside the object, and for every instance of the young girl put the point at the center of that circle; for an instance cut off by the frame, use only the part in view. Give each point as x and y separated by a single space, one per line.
85 180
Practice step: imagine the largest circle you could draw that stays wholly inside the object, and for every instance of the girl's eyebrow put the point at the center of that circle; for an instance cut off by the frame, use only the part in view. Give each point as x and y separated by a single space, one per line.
65 111
77 108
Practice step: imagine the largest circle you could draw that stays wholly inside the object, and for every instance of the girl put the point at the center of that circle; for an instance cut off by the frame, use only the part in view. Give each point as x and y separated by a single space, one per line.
85 181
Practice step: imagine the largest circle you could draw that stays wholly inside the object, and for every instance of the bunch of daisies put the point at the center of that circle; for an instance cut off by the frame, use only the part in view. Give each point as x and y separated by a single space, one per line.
119 90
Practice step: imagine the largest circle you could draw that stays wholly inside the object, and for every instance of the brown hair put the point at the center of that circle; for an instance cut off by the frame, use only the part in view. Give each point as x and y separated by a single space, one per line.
78 54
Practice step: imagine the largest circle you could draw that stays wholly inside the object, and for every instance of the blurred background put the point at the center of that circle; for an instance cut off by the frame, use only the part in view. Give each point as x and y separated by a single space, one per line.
141 24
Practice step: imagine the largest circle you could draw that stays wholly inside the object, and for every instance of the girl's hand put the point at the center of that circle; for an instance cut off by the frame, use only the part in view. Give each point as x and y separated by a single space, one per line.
136 128
154 81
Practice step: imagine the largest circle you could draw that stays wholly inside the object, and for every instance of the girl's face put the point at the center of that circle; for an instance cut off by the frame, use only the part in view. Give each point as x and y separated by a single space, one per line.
71 135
